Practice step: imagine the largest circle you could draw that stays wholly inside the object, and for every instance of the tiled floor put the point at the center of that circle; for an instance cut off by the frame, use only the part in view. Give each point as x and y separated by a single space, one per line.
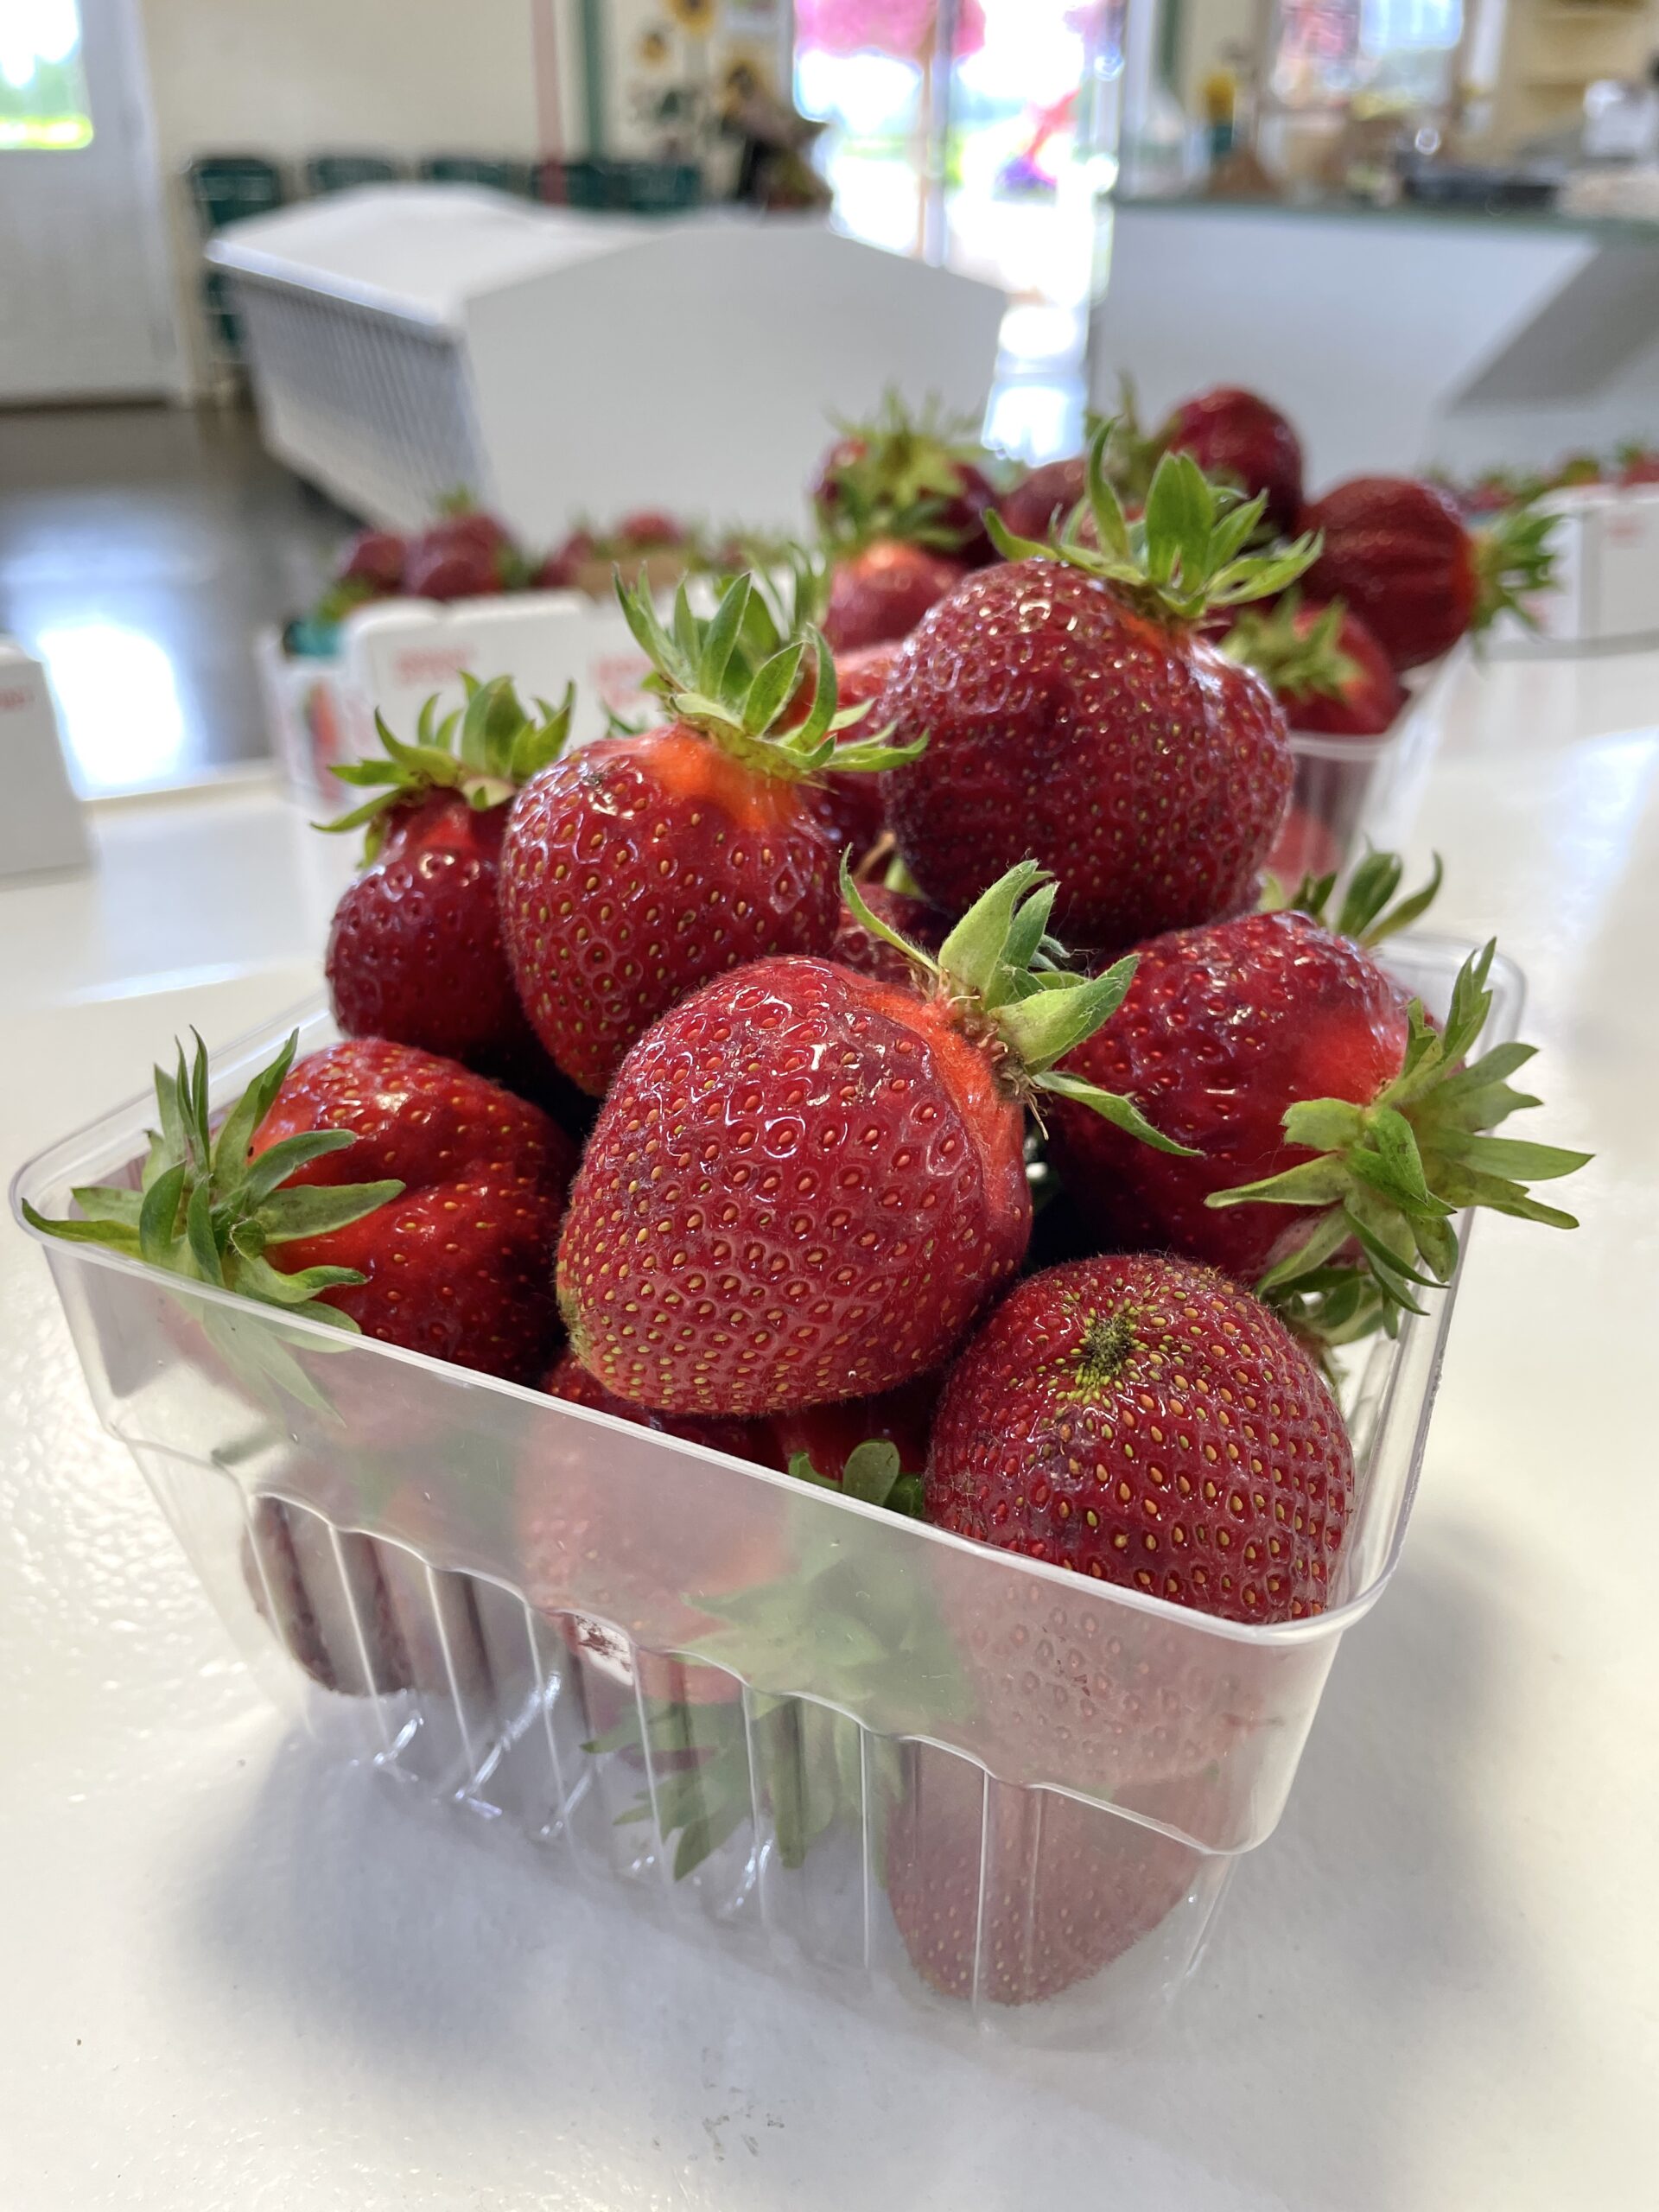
140 549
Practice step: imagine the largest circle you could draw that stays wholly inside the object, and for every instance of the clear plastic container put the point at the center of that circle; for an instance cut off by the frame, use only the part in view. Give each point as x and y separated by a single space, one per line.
1348 789
930 1776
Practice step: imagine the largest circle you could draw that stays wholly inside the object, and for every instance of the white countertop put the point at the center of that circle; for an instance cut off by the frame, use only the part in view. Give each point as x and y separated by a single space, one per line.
233 1975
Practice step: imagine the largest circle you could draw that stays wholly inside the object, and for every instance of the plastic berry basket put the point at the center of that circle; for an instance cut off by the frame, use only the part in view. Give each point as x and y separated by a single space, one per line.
872 1756
1351 788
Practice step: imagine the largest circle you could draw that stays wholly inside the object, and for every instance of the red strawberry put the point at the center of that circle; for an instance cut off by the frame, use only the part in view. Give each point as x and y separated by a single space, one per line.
880 593
1040 502
1297 1071
1639 465
1305 846
1074 716
849 807
911 917
561 570
459 1265
1009 1896
905 475
579 1511
415 952
804 1182
1238 438
1148 1422
1328 672
647 526
1396 551
374 557
464 554
832 1440
643 865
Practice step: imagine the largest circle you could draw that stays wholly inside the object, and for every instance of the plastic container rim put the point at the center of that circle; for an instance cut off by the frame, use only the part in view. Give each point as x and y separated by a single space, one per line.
58 1159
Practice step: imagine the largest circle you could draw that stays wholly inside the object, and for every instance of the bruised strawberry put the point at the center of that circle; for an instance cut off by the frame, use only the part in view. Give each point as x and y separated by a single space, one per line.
1328 672
1148 1422
804 1182
1239 438
1039 503
1397 552
645 864
880 593
1074 716
458 1266
1009 1896
415 952
1301 1075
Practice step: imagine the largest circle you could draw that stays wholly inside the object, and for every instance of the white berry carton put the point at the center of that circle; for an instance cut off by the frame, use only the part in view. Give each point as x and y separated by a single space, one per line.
767 1716
1605 592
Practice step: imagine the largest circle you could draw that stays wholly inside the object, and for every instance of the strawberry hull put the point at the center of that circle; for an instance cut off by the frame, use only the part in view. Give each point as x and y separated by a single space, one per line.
876 1758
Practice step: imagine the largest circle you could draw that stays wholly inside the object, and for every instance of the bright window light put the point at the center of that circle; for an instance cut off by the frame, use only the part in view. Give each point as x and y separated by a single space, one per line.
122 721
43 87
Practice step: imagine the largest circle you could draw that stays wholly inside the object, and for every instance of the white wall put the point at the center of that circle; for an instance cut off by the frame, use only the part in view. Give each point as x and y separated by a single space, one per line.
287 78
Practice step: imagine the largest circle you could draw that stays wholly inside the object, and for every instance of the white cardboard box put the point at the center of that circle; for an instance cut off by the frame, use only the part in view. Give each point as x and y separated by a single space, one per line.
42 826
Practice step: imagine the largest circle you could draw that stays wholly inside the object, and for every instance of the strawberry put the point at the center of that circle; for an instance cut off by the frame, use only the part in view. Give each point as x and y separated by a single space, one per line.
1039 505
1146 1422
465 554
912 918
804 1182
1327 670
1637 464
645 864
459 1267
1301 1075
1305 845
568 1379
1074 716
879 593
415 952
849 807
1237 438
374 557
1010 1895
902 472
863 1445
1397 552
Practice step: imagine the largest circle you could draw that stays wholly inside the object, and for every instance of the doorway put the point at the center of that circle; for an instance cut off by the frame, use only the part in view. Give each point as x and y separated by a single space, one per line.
87 302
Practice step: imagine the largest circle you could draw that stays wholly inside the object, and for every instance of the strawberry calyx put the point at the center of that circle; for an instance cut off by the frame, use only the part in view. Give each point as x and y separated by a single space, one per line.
735 676
1296 662
206 1211
1389 1176
872 1473
1367 913
896 476
500 748
1513 558
1183 555
998 971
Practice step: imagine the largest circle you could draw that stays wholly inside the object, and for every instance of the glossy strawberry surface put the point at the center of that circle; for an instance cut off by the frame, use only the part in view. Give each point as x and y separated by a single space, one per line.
1397 553
882 593
375 557
801 1187
1148 1422
1222 1030
637 868
415 952
1236 437
1146 770
461 1265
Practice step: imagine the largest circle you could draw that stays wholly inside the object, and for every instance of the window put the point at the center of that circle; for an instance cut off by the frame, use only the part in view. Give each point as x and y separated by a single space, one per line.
43 88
